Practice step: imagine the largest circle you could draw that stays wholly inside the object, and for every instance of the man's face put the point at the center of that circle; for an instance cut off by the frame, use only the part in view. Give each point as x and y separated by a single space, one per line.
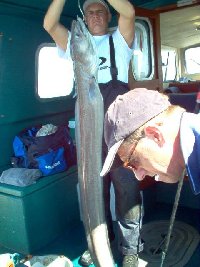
97 19
152 158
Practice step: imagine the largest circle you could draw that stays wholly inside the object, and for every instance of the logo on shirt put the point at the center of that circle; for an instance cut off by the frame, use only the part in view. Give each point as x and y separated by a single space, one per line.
103 60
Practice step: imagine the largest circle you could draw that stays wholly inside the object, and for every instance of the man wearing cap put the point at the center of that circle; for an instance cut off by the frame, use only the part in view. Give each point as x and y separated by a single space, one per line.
152 137
112 82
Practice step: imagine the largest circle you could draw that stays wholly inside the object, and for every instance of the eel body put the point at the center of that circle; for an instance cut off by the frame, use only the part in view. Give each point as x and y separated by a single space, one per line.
89 114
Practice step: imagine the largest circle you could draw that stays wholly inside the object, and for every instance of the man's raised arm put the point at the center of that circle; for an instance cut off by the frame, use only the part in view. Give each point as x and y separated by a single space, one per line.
53 26
126 21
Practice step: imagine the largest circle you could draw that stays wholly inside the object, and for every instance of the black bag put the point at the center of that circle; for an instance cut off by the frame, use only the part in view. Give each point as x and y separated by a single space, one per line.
50 154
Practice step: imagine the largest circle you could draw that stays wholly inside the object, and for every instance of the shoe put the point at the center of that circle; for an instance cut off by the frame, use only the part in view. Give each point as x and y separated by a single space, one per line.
85 259
130 261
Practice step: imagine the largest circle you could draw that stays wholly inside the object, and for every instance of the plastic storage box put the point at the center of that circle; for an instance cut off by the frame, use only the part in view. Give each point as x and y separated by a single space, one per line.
33 216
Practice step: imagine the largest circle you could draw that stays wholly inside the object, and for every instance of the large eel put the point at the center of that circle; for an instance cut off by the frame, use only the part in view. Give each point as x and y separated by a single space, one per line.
89 113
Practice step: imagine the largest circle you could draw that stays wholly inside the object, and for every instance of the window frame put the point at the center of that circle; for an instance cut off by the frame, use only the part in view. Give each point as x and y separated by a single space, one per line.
150 45
175 51
185 63
47 99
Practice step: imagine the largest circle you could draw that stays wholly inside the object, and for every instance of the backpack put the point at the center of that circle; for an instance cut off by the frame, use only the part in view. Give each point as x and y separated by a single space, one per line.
50 154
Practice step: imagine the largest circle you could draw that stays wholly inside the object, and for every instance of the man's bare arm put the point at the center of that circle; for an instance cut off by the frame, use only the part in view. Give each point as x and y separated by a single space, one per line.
126 21
52 24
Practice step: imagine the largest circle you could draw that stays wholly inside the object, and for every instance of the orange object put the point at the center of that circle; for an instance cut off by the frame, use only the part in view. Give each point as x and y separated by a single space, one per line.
10 264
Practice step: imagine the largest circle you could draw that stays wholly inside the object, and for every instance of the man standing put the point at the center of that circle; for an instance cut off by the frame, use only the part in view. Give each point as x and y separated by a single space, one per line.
113 80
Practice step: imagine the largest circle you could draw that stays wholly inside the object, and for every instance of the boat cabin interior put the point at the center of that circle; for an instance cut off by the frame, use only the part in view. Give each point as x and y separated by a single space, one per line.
37 88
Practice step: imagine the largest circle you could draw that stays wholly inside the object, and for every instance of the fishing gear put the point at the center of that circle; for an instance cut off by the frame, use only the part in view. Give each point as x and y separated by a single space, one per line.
172 219
79 6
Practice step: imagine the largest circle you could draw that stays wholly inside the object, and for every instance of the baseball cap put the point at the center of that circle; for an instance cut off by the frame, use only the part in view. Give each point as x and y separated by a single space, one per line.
126 114
89 2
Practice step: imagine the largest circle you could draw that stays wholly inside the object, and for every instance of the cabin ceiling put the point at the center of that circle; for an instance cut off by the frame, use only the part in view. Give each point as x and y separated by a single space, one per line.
177 30
71 7
178 27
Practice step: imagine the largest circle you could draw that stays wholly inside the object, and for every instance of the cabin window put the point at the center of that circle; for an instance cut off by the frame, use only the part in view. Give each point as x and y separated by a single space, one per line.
54 74
169 69
192 60
142 60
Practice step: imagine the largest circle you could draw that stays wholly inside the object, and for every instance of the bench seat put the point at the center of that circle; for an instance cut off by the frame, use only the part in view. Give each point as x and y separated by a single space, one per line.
33 216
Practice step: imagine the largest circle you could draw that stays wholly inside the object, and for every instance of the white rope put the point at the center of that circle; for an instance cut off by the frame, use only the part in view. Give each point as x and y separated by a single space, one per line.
79 6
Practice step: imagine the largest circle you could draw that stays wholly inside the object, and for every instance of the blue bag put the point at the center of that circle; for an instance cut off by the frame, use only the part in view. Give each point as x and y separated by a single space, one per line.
50 154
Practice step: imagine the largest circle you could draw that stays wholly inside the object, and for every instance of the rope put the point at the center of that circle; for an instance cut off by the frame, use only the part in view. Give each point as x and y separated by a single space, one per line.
172 219
79 6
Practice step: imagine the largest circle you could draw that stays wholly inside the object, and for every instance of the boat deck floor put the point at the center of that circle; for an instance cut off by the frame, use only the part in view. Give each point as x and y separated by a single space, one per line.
74 244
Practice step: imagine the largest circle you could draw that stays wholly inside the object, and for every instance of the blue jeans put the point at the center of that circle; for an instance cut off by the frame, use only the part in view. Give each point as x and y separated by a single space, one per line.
128 209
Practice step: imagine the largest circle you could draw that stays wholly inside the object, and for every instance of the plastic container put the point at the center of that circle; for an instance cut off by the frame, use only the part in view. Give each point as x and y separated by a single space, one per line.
6 260
33 216
71 125
49 261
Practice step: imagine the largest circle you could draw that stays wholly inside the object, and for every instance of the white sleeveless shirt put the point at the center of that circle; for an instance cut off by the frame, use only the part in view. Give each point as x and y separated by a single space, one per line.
123 54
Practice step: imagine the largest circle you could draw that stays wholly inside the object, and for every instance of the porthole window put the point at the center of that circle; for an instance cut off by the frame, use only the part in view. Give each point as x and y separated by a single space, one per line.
54 74
192 60
142 60
169 64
